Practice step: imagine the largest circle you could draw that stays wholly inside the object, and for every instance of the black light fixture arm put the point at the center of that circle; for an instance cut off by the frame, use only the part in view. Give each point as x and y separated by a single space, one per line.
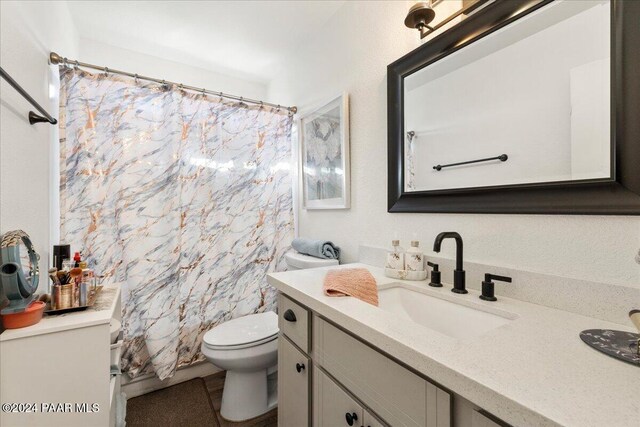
422 13
33 117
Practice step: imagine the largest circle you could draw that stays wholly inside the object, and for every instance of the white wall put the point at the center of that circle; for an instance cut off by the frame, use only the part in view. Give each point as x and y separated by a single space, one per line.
350 53
28 32
98 53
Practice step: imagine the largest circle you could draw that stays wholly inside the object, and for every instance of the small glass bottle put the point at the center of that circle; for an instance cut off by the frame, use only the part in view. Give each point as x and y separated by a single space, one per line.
414 258
395 256
67 265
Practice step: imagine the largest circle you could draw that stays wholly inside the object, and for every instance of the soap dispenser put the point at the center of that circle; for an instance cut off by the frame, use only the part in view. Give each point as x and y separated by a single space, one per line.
414 258
395 256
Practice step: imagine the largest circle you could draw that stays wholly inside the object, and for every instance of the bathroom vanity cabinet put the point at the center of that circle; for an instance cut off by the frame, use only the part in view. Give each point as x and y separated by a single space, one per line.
390 367
328 377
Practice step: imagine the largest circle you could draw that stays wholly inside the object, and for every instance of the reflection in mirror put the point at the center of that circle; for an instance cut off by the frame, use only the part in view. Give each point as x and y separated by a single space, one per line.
25 260
529 103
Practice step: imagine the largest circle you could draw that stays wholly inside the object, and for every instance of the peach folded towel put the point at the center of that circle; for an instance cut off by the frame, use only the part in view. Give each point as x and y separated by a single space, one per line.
355 282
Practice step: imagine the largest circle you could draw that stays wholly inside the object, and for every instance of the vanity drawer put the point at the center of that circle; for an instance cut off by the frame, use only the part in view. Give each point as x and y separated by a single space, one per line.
398 395
293 321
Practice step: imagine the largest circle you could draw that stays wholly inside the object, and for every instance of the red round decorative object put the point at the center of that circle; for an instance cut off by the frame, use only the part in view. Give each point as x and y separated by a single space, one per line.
31 316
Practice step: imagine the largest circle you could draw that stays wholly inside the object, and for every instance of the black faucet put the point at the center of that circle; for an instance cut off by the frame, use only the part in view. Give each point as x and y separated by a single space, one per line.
458 273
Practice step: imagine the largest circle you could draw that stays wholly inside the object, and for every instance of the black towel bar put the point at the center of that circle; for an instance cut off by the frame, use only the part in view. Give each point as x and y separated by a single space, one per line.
501 157
33 117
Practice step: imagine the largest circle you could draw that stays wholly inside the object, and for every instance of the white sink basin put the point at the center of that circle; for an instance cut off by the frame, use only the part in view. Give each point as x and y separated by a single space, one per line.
450 318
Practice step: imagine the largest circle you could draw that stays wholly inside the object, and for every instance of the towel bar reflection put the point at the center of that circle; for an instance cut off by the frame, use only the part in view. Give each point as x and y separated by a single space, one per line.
33 117
501 157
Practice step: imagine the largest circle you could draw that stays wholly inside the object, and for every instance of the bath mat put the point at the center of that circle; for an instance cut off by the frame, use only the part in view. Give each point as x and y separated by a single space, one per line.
181 405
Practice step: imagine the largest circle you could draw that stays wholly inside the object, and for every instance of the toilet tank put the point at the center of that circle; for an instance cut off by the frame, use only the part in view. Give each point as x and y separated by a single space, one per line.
298 261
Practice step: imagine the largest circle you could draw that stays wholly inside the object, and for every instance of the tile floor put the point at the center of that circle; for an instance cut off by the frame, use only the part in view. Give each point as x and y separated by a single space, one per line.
193 401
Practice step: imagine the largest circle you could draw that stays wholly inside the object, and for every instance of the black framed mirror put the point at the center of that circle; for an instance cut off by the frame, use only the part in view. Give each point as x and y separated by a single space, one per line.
525 107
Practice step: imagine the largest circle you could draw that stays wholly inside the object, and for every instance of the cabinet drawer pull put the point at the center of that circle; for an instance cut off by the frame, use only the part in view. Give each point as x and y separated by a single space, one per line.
351 418
289 316
299 367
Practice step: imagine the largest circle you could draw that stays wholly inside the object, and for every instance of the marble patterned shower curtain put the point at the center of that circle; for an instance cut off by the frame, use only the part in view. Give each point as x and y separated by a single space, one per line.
184 199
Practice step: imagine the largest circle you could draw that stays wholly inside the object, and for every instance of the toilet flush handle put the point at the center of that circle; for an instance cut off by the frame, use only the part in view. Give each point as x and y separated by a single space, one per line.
289 316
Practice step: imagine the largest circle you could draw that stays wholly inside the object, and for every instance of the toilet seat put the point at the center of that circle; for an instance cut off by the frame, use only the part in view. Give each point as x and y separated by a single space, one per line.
243 332
240 346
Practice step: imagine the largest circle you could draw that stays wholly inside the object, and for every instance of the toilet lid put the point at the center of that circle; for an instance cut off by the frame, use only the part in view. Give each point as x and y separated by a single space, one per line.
253 328
302 261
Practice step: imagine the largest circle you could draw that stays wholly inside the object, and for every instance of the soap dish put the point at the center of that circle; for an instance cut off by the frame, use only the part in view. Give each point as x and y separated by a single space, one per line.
405 274
622 345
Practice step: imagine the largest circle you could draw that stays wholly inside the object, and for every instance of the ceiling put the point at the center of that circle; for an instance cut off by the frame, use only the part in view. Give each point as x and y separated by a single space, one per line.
247 39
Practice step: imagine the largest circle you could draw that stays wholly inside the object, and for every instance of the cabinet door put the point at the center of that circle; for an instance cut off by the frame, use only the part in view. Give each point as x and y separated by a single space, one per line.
293 385
333 406
438 407
369 420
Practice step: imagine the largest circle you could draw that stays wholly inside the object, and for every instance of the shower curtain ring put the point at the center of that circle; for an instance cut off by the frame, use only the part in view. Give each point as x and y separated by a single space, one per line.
77 66
220 94
261 105
106 71
65 63
203 91
135 78
181 86
278 109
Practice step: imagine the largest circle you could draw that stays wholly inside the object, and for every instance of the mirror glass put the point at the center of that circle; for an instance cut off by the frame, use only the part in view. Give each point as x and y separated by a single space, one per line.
534 97
25 260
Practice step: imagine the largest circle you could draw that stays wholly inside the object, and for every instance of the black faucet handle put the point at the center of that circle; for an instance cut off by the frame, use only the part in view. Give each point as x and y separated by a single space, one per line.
488 287
436 280
490 277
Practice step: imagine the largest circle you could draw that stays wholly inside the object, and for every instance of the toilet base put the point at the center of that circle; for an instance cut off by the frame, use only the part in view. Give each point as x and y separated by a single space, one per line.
246 395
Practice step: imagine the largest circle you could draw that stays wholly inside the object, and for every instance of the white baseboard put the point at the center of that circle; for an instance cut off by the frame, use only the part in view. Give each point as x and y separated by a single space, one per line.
148 383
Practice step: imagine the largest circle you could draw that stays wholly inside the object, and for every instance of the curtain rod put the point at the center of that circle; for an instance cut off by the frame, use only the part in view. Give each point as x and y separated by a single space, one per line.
56 59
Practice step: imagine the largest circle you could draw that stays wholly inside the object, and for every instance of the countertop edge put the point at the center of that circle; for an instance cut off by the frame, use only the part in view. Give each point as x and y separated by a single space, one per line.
82 319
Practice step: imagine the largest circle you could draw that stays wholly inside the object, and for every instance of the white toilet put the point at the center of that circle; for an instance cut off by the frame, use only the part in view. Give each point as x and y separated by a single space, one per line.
247 348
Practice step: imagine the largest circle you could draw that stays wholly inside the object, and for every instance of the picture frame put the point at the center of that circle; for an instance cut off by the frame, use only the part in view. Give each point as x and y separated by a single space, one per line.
324 156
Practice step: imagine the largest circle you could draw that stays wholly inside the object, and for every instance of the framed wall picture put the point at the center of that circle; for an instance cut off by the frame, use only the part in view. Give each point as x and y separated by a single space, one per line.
324 136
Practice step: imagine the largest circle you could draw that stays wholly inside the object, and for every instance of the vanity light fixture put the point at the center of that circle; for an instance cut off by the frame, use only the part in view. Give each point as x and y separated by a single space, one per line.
422 13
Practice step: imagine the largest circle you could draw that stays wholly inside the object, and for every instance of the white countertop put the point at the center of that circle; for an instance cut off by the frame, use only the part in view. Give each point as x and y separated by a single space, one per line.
533 371
101 312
